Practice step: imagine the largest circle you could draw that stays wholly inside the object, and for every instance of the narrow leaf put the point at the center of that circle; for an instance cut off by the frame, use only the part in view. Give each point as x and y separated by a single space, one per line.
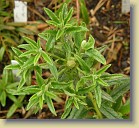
50 105
51 15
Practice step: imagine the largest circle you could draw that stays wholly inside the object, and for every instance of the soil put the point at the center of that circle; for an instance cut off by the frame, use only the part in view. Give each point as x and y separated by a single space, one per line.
108 26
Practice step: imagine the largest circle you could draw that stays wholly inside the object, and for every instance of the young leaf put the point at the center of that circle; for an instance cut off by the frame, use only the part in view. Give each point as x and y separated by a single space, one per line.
32 102
51 15
98 94
50 105
90 44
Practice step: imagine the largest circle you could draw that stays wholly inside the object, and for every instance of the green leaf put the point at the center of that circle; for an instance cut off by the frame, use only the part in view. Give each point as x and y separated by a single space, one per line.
50 94
66 113
50 43
2 51
36 58
16 51
69 15
75 103
82 63
32 102
103 69
50 22
28 53
53 70
32 43
96 55
11 111
107 97
50 105
69 93
59 33
51 15
68 103
25 46
84 12
28 63
39 79
101 82
98 94
125 109
3 98
17 66
88 45
120 90
61 85
41 98
76 29
47 58
109 112
86 89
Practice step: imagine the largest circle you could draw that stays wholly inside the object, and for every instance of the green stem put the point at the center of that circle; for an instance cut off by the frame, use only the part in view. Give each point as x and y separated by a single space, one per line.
95 105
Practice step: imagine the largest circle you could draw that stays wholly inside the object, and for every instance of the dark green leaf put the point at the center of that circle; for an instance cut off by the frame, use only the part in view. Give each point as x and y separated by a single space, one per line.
107 97
109 112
